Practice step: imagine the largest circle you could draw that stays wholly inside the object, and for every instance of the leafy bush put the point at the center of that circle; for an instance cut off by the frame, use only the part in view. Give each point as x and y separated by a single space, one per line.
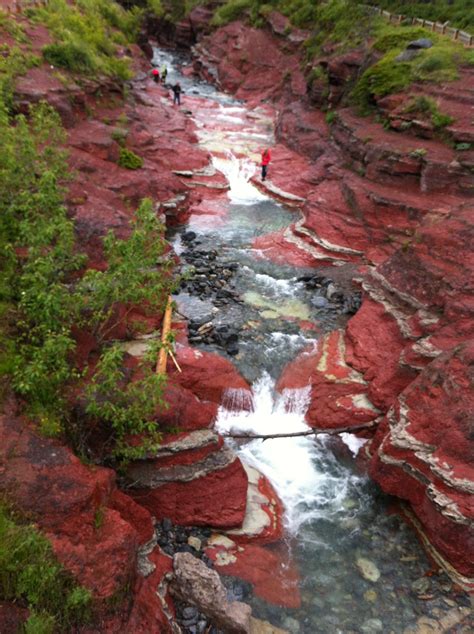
41 291
231 11
384 77
129 159
428 107
70 55
31 575
86 33
13 63
389 36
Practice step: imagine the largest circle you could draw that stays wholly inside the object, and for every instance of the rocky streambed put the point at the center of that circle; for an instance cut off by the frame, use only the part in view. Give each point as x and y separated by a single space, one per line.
349 566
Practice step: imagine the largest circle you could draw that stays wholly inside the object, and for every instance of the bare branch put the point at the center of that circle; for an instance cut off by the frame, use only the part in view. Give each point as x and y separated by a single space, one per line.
310 432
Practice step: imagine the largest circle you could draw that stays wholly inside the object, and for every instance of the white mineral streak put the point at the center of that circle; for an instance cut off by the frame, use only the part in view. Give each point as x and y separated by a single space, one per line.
401 437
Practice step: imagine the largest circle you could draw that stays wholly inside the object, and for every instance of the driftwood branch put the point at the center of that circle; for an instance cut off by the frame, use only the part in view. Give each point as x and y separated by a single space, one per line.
310 432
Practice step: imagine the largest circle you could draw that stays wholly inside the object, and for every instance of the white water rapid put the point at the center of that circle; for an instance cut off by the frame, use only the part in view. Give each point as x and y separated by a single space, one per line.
238 173
309 480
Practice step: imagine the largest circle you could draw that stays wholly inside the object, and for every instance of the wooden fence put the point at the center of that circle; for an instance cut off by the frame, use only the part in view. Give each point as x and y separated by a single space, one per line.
455 34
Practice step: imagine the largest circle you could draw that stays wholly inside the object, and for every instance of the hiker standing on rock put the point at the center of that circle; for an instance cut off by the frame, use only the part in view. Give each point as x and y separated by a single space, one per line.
176 93
266 158
156 75
164 72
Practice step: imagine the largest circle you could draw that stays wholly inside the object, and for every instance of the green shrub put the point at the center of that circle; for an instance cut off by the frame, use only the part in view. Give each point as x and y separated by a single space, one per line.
70 55
331 117
129 159
429 108
31 575
390 37
383 78
462 147
86 33
231 11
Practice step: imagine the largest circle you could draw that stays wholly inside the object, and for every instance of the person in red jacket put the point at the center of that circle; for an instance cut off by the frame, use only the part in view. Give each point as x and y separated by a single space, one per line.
156 75
266 158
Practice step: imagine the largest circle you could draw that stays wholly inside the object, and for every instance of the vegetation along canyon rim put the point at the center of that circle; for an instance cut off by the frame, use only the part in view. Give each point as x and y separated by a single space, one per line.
231 404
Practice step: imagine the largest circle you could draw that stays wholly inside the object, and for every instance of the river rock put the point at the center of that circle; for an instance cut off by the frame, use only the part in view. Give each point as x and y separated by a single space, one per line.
372 626
273 576
368 569
195 583
422 42
264 627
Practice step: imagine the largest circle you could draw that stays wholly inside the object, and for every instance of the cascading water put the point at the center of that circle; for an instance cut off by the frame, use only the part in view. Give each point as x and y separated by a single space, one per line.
360 566
306 476
238 173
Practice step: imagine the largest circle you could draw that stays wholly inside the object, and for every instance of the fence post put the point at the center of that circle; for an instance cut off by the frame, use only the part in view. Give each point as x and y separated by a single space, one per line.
456 34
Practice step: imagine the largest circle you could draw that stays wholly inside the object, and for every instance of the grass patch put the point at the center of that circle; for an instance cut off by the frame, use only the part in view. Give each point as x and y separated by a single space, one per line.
460 13
129 159
12 27
31 576
428 108
231 11
437 64
87 34
13 63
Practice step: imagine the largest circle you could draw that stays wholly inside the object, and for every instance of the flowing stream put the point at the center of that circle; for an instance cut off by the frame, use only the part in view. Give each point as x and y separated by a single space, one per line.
362 568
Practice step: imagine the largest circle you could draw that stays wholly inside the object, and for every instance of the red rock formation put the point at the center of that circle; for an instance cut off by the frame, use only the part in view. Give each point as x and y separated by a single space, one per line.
269 570
193 480
423 453
72 504
338 396
399 202
205 374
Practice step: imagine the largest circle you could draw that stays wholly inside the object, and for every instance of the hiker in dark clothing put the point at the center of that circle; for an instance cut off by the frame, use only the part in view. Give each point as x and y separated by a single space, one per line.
156 75
176 93
266 158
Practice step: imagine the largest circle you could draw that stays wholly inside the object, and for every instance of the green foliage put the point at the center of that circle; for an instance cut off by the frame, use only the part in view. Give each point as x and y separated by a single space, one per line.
460 13
331 117
74 56
384 77
428 107
136 274
126 404
390 37
462 147
12 27
418 153
232 10
155 7
437 64
34 223
41 292
31 575
86 33
129 159
119 135
13 63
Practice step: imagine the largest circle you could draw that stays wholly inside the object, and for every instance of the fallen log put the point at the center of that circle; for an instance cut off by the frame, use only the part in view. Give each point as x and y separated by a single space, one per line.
309 432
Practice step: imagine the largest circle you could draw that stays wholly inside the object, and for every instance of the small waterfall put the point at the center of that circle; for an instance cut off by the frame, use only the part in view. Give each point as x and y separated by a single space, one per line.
308 478
238 173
